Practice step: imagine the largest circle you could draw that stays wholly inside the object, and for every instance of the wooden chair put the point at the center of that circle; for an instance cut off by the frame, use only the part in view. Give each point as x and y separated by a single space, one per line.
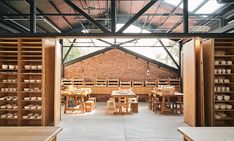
111 104
133 104
122 104
94 100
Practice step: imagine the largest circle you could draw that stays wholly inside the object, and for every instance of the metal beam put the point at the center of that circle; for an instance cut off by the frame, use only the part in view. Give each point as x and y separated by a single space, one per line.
113 16
169 53
185 16
134 18
33 16
86 16
126 42
125 35
56 8
65 56
105 42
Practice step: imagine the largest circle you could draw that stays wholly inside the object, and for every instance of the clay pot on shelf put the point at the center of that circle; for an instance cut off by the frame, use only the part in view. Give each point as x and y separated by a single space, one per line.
11 67
27 67
226 97
4 66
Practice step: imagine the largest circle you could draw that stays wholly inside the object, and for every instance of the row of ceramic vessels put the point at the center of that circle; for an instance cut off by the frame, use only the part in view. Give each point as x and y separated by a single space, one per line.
11 67
223 106
223 62
33 67
31 106
32 98
8 89
32 116
222 97
220 115
221 80
9 106
32 80
9 115
222 89
9 98
222 71
9 80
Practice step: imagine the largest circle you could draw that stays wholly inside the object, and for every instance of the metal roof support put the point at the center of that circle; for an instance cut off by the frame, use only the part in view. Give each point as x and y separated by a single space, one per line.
86 16
65 56
105 42
113 16
135 17
56 8
160 41
33 16
185 16
129 41
48 21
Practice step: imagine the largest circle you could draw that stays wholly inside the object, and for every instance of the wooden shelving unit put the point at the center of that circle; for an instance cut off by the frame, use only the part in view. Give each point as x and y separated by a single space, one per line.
125 84
150 83
176 83
79 82
221 80
163 82
137 84
27 77
89 83
112 82
101 82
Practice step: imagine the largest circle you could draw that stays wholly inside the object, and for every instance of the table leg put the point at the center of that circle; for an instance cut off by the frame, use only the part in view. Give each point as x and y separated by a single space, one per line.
126 105
180 103
163 104
66 104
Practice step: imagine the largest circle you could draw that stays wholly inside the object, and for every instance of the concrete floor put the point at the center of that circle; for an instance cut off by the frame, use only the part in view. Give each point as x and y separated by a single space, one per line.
101 126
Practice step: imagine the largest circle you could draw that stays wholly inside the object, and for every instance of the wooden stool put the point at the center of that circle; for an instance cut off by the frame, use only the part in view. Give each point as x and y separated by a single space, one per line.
89 105
134 107
94 100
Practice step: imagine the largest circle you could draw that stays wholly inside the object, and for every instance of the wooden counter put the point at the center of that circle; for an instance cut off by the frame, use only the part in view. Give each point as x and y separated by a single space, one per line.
29 133
207 133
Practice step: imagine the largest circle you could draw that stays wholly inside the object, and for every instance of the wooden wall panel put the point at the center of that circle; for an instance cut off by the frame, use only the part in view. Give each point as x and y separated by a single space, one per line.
189 81
208 78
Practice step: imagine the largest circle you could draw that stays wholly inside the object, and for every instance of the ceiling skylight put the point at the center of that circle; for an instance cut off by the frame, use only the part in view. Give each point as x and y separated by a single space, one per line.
210 7
173 2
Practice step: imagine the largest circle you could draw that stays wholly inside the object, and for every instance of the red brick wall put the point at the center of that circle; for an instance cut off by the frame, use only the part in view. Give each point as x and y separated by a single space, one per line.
116 64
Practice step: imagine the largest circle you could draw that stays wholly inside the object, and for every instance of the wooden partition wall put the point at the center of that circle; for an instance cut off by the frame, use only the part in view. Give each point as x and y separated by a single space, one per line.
193 83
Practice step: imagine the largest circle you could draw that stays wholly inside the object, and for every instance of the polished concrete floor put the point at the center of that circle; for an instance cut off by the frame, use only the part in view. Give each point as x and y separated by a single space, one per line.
100 125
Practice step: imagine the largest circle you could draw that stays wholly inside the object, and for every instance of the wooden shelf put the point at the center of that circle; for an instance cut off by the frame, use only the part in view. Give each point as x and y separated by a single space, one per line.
223 101
224 56
225 118
225 74
225 110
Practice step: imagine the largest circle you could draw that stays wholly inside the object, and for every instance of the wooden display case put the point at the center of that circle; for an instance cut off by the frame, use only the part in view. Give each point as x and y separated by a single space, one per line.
113 82
101 82
27 81
89 83
150 83
79 82
137 84
176 83
220 78
125 84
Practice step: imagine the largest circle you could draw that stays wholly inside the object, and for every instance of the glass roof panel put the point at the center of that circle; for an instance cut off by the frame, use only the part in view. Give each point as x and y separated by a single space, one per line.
210 7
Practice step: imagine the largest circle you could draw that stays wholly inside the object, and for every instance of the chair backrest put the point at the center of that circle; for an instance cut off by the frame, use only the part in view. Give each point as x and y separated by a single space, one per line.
122 99
132 100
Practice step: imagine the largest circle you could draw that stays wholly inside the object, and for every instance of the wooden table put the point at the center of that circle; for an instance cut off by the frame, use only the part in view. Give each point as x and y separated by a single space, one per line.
168 96
207 133
126 94
29 133
79 94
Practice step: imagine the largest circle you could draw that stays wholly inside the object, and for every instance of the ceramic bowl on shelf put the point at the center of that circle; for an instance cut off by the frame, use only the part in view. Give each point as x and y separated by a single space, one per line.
15 98
26 107
223 62
33 107
219 97
222 115
6 89
39 106
39 67
33 67
31 117
10 116
3 98
39 117
4 66
13 80
27 67
3 107
9 98
26 89
222 106
229 62
33 98
32 81
226 97
4 80
216 80
228 71
217 116
16 67
216 62
10 89
26 98
26 80
227 89
229 106
11 67
36 114
2 89
9 106
15 116
3 116
25 117
38 81
36 89
30 114
216 106
226 80
15 107
39 98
